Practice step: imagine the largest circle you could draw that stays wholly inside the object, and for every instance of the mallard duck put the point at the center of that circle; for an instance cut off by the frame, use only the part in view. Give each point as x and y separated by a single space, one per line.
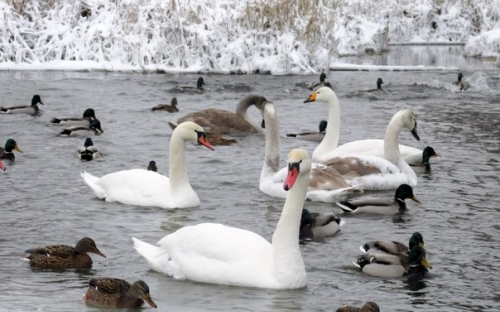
92 129
152 166
199 87
88 116
315 85
221 121
393 247
220 139
317 225
2 166
172 108
88 152
7 151
24 109
462 85
64 256
311 136
117 293
380 82
367 307
385 265
376 205
420 161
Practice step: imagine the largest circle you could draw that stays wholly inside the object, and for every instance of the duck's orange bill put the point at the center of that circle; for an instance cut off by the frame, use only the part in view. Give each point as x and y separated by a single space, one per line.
293 173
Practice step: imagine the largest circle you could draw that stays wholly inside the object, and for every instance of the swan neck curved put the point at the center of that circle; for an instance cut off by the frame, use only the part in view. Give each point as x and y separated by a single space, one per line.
272 156
331 139
177 163
391 141
241 109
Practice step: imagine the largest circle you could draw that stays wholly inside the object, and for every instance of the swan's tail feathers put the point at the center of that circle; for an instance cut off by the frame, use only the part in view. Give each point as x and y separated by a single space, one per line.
93 182
157 257
347 206
172 124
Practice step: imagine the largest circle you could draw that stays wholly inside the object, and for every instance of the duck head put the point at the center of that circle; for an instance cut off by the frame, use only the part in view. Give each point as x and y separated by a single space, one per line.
200 82
405 191
96 124
89 113
380 82
322 126
35 100
416 240
140 290
322 77
427 153
86 245
11 145
88 142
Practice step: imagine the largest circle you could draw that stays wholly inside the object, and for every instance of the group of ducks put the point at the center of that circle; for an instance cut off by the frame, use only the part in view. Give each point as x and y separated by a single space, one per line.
232 256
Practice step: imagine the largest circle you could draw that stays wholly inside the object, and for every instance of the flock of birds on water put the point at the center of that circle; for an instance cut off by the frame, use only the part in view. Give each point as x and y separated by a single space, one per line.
215 253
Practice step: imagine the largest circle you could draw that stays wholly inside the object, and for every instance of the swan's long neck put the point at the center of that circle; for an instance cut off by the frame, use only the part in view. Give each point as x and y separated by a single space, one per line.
241 110
391 140
272 158
331 139
286 252
177 164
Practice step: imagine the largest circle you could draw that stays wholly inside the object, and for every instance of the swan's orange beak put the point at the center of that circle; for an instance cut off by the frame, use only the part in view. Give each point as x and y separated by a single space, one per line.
311 98
2 166
203 140
293 173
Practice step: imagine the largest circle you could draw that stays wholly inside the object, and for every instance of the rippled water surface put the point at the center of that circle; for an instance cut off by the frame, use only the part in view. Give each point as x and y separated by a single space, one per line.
44 200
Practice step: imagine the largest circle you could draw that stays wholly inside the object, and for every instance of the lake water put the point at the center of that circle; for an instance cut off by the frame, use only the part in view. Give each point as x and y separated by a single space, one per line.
44 200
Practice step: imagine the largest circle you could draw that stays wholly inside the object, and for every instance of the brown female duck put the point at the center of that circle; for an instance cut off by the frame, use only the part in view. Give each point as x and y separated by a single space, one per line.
117 293
172 108
64 256
367 307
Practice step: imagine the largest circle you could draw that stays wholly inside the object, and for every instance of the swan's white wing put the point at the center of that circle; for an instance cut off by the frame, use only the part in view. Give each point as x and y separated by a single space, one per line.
372 147
214 253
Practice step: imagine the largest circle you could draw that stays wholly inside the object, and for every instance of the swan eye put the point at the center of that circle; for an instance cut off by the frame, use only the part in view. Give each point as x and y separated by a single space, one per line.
295 165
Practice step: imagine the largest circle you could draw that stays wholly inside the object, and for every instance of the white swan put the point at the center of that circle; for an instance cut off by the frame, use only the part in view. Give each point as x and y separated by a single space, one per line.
376 173
326 184
219 254
225 122
147 188
328 148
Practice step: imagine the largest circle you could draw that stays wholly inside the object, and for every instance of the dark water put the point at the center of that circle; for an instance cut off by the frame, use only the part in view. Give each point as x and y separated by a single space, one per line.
44 201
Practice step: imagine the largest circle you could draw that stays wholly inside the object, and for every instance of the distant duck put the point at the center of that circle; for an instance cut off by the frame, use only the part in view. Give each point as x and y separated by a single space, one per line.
199 87
315 85
172 108
24 109
152 166
93 129
215 120
88 152
64 256
393 247
220 139
380 205
380 82
462 85
7 152
367 307
2 166
117 293
414 263
318 225
420 161
88 116
311 136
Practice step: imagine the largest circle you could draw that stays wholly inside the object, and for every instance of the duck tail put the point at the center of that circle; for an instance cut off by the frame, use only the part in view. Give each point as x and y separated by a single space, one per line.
346 206
65 132
172 124
55 120
92 182
156 257
291 135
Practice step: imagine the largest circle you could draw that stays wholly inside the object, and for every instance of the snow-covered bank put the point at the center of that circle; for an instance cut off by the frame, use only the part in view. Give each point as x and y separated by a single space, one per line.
223 36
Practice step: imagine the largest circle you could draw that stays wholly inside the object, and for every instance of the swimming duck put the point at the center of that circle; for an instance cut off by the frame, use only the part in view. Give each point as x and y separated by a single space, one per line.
377 205
462 85
420 161
317 225
88 116
220 139
64 256
142 187
88 152
380 82
152 166
393 247
2 166
172 108
92 129
311 136
315 85
199 87
367 307
224 255
117 293
325 184
7 152
221 121
24 109
414 263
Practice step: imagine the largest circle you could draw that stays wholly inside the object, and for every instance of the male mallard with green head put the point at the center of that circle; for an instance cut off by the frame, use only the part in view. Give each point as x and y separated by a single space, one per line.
7 152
